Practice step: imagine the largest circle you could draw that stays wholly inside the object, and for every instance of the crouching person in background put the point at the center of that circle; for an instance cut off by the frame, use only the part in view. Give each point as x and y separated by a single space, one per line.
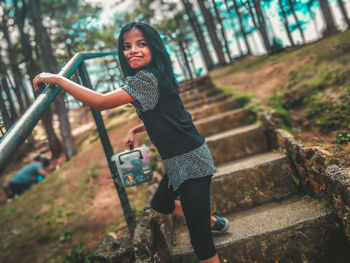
28 176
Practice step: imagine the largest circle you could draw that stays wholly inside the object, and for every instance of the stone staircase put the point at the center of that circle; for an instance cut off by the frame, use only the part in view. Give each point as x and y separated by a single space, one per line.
270 220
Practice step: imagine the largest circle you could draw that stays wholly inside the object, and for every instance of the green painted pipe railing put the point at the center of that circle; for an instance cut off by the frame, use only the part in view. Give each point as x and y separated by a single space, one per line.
16 135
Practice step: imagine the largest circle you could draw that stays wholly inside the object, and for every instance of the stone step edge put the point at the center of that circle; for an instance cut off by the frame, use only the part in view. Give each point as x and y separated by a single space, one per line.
220 106
203 95
220 115
246 163
294 201
233 132
197 90
193 105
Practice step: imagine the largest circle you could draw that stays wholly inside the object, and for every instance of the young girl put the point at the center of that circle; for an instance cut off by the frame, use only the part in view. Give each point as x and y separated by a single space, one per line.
150 86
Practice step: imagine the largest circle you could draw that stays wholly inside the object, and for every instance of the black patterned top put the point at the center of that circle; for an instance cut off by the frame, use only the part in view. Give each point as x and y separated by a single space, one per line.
184 151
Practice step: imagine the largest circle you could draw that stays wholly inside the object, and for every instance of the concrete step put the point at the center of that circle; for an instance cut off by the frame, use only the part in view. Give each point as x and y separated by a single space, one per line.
251 181
223 121
197 91
237 143
215 108
195 83
294 230
206 101
201 95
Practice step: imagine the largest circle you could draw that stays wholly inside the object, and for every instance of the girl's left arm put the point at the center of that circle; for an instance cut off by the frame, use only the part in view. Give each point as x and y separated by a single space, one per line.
87 96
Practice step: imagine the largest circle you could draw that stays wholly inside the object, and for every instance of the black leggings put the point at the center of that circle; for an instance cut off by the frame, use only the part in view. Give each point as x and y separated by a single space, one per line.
17 188
194 196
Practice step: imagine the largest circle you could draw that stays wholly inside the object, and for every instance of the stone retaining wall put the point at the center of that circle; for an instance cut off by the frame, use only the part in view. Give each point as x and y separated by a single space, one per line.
317 175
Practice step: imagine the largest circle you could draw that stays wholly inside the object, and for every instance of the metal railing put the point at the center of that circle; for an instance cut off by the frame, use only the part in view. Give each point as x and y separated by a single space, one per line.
16 135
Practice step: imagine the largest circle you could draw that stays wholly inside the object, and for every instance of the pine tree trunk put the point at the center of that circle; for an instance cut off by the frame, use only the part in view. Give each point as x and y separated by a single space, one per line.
286 24
234 30
343 11
25 95
183 49
262 25
33 69
328 18
312 17
256 24
244 34
184 55
178 57
50 63
13 112
190 58
54 143
199 35
13 65
223 33
291 4
209 22
4 113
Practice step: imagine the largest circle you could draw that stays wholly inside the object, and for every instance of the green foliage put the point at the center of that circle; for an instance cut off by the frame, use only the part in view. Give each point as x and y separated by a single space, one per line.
277 103
66 236
227 89
329 112
342 137
324 202
296 180
78 255
330 77
137 213
58 215
244 99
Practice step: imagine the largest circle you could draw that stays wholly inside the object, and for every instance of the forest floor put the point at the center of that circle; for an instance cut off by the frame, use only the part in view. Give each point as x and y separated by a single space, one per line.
66 215
308 87
69 212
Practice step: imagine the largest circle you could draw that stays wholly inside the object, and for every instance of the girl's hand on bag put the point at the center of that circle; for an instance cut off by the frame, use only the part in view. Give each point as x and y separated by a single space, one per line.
130 137
45 77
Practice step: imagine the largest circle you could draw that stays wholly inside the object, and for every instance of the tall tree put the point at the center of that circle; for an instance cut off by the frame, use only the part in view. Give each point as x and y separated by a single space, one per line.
297 22
222 30
6 119
44 42
328 18
33 68
12 59
235 34
343 11
242 27
9 99
285 23
199 35
261 24
209 22
173 28
310 7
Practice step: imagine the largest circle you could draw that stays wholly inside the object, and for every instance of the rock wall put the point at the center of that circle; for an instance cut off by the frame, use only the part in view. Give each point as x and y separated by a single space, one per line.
316 175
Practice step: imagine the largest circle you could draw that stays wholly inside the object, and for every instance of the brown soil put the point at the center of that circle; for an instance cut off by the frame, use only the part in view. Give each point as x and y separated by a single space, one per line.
260 81
104 207
263 81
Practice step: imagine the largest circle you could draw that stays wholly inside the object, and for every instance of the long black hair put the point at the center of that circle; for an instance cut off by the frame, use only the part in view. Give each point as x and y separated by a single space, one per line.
160 57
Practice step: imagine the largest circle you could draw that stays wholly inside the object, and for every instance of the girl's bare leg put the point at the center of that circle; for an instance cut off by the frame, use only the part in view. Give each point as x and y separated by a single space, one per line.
178 212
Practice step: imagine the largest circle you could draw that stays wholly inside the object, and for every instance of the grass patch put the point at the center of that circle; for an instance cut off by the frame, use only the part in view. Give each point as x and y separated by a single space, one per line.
50 222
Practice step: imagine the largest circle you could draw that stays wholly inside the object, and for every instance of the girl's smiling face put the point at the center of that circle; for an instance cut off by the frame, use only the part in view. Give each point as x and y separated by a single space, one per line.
136 49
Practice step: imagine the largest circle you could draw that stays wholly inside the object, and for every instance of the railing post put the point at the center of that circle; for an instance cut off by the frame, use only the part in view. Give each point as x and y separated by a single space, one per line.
109 152
15 136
